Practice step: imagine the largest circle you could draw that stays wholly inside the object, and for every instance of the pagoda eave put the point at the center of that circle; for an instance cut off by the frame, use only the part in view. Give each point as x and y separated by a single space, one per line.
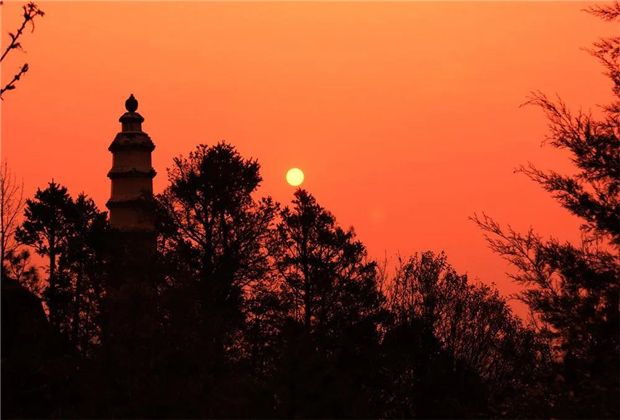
131 141
116 173
119 203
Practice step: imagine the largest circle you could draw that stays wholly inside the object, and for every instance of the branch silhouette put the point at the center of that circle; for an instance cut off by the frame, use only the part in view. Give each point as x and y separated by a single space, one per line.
30 12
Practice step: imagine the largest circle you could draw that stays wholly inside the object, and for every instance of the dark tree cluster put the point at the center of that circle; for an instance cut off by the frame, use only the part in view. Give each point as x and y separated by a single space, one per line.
258 310
245 308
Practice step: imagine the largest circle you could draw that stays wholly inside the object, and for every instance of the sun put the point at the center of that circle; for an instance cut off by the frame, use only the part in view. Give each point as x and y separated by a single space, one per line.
295 177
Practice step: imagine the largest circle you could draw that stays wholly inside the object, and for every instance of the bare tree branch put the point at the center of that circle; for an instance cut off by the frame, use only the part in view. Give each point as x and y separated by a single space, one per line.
12 205
30 12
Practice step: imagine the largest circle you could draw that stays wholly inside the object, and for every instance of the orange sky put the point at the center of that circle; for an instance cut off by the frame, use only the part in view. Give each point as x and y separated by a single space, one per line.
404 116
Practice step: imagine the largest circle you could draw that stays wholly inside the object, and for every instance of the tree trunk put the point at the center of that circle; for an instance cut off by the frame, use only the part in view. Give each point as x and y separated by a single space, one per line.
76 308
52 301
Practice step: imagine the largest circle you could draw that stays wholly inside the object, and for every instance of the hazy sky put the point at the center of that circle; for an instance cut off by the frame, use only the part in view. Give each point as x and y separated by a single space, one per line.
404 116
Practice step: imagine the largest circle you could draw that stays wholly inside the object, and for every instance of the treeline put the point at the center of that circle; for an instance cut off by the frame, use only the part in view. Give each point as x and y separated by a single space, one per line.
261 311
249 309
255 310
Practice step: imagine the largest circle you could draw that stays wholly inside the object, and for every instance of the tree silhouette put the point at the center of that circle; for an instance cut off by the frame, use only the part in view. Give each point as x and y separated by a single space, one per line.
35 357
469 349
572 290
85 263
47 230
12 204
212 239
70 234
15 259
332 308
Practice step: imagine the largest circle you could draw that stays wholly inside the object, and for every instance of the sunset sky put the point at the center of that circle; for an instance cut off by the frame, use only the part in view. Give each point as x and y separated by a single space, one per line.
403 116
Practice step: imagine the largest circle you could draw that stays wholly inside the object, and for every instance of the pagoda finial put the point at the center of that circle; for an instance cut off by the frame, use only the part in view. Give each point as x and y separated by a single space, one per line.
131 104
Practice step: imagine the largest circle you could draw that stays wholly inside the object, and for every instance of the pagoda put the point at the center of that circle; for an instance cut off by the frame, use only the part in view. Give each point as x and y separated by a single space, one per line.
128 305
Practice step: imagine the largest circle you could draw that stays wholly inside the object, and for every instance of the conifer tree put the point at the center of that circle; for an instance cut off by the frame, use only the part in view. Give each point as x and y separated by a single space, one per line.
332 310
212 239
47 230
572 289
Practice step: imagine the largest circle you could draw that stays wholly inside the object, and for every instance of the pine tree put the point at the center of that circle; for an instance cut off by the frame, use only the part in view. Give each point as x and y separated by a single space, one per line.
332 309
212 240
572 289
47 230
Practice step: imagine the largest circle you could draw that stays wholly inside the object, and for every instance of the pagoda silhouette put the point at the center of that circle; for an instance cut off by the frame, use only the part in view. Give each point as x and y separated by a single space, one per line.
129 305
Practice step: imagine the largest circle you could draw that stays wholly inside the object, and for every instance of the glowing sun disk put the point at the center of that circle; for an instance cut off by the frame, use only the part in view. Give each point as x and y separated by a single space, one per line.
295 177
